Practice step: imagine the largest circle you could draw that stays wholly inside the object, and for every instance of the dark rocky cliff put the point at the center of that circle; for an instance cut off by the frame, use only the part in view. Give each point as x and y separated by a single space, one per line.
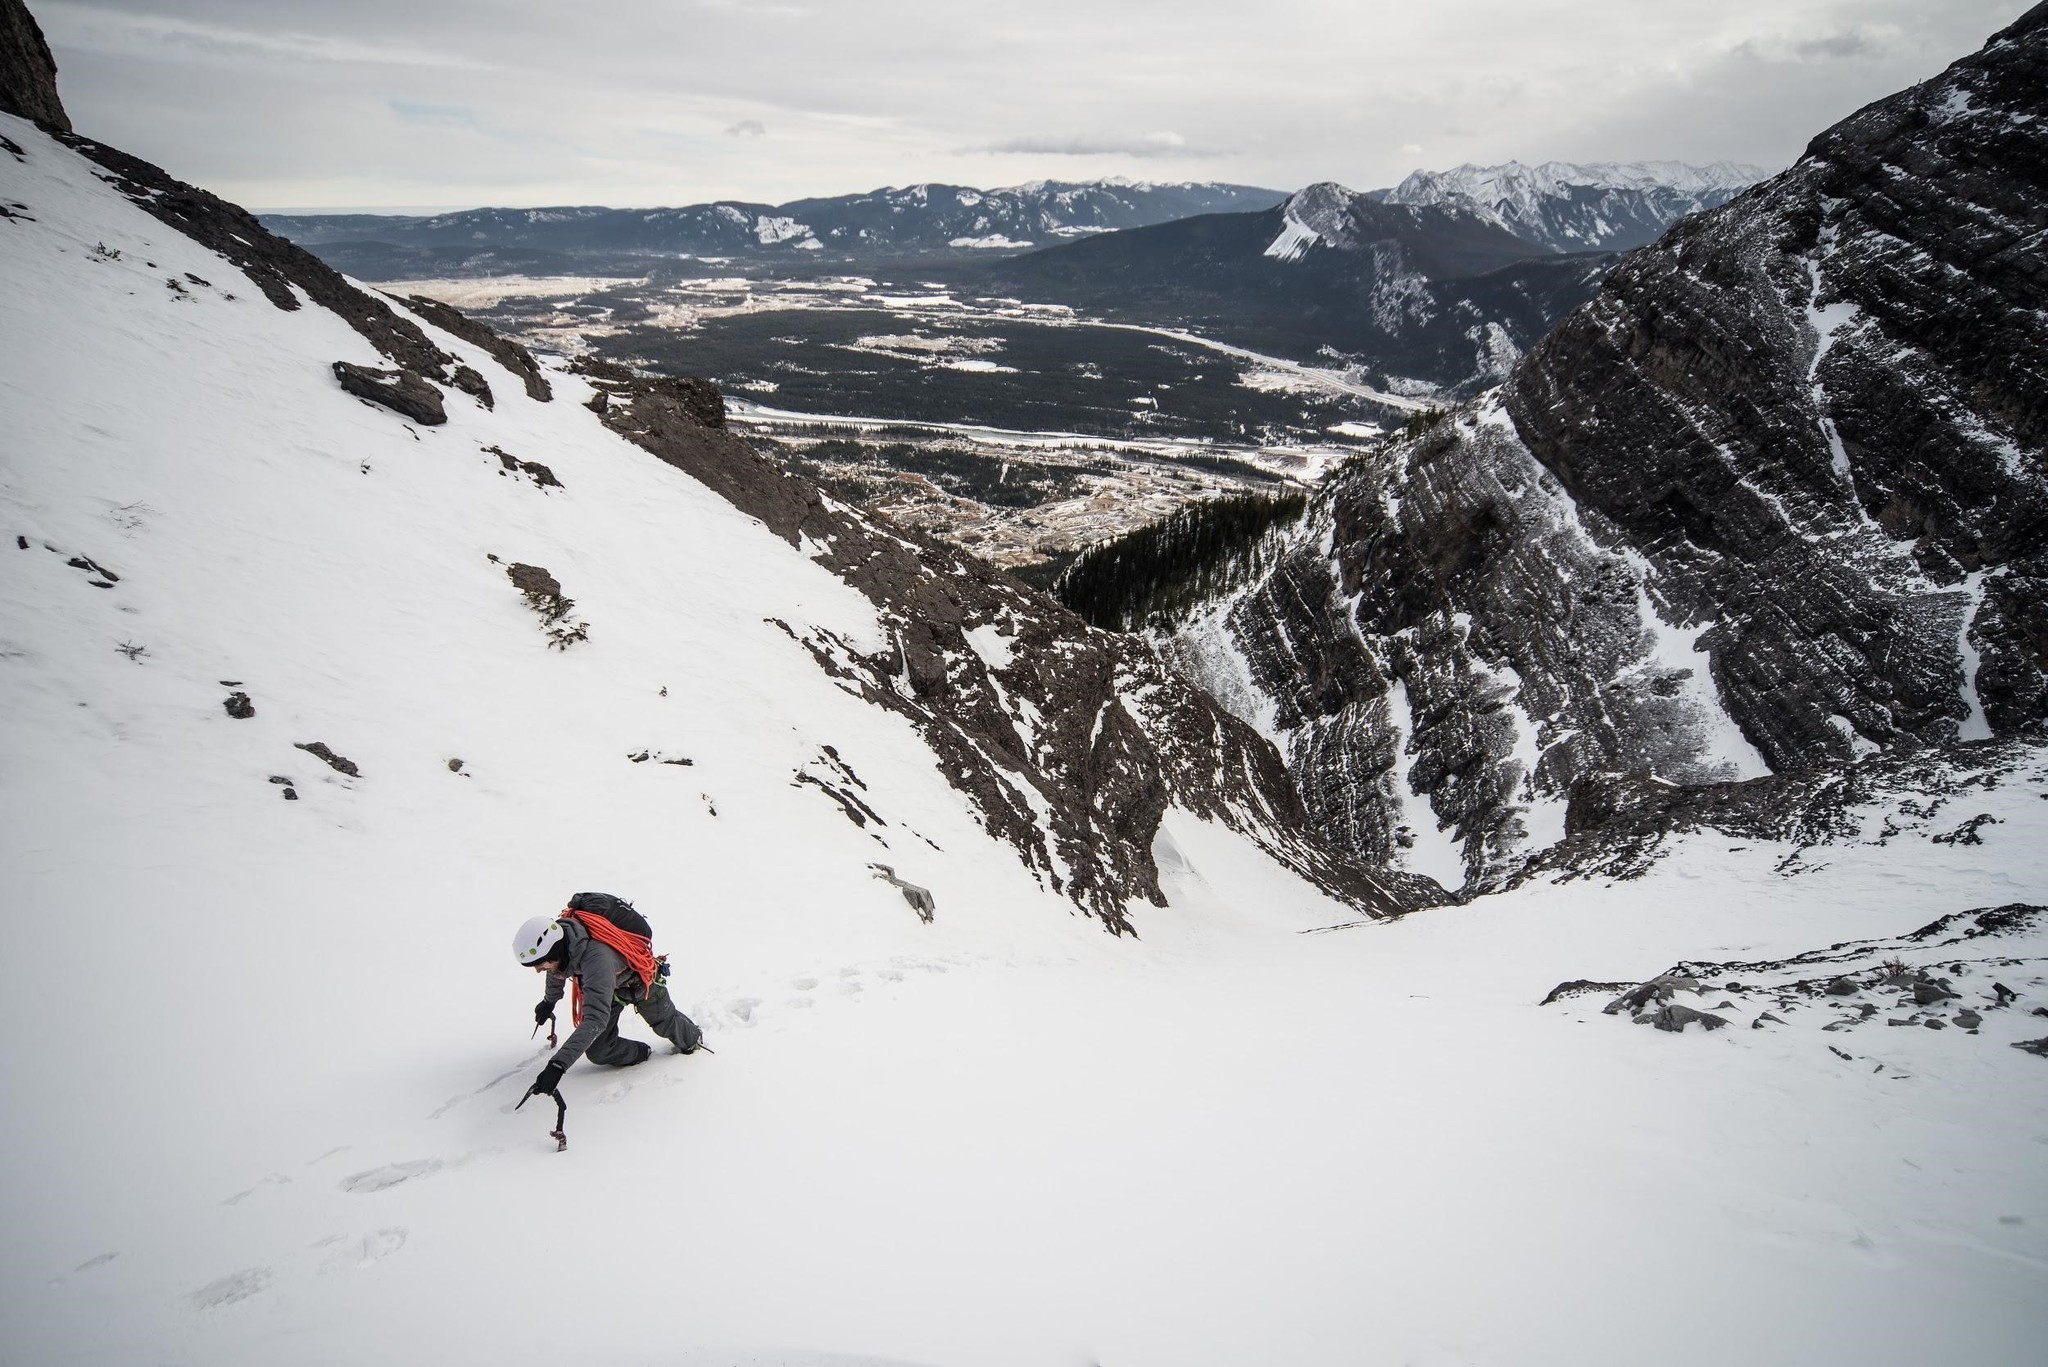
1775 498
1443 642
28 73
1820 412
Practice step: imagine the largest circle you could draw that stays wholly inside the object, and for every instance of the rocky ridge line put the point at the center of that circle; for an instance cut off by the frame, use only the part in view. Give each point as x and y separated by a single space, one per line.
1970 971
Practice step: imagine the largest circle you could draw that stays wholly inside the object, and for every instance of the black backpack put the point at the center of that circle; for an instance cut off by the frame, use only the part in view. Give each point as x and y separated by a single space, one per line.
616 910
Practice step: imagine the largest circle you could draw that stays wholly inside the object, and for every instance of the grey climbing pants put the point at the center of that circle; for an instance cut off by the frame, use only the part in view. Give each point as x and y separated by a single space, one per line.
660 1013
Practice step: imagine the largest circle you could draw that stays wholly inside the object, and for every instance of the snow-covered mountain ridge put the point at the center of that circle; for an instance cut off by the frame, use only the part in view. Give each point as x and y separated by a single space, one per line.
1431 294
1574 206
1580 208
895 220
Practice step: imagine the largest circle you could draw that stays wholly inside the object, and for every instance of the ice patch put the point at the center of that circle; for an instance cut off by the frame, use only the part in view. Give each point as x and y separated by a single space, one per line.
1205 649
1827 322
1294 240
1677 650
1435 851
1976 726
1859 745
771 229
994 648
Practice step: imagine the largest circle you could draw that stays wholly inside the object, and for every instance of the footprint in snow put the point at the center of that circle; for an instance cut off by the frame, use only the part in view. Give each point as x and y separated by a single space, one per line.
615 1091
850 987
803 984
236 1286
274 1179
890 975
363 1252
849 972
390 1175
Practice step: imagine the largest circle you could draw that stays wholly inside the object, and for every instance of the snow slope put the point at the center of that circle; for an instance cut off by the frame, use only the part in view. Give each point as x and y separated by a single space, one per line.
263 1054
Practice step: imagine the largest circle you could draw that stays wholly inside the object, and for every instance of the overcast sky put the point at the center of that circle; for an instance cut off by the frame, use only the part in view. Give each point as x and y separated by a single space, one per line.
456 103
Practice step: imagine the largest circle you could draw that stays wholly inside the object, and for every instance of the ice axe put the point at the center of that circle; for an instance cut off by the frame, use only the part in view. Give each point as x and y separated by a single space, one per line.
560 1133
550 1020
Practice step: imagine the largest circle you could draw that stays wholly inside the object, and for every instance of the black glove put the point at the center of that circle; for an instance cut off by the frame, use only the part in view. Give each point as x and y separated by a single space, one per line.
543 1013
549 1078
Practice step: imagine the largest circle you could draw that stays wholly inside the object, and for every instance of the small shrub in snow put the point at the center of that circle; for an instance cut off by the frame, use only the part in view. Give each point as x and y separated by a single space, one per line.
543 593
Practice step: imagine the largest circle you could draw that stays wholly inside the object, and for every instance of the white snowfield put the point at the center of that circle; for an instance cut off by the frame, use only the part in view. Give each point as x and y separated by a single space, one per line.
262 1054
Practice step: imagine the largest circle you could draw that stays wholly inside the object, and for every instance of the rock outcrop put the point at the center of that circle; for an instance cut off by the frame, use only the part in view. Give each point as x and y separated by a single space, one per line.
400 391
1951 973
28 73
509 353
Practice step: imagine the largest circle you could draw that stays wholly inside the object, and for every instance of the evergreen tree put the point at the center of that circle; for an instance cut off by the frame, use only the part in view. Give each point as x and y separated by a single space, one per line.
1160 572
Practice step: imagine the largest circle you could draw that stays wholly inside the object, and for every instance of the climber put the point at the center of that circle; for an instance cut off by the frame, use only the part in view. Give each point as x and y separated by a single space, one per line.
605 948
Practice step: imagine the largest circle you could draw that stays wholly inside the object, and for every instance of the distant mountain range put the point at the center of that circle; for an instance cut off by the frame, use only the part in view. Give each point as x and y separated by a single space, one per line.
1575 207
918 220
1444 279
1436 293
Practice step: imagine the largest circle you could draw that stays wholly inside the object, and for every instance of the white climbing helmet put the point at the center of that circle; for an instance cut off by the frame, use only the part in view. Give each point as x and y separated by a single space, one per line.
536 939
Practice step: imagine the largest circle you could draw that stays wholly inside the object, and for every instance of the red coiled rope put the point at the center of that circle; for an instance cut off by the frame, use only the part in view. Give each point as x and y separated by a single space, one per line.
636 950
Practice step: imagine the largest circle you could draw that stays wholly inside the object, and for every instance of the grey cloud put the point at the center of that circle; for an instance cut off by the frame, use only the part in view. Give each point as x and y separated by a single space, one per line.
120 33
747 128
1150 145
1863 41
1854 43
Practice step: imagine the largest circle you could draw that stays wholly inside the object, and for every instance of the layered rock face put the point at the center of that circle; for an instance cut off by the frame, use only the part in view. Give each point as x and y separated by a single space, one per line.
1820 413
1444 647
1775 499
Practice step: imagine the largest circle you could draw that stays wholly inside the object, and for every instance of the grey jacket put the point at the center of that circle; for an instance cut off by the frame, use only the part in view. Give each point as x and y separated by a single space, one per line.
603 972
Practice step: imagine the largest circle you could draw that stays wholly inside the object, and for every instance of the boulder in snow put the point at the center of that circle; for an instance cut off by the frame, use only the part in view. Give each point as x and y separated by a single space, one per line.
1675 1018
396 390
